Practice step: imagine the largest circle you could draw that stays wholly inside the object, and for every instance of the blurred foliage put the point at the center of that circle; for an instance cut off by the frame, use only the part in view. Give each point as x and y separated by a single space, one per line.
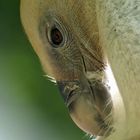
30 105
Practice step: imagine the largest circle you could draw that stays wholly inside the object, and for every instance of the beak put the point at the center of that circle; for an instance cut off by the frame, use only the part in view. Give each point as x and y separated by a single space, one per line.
88 105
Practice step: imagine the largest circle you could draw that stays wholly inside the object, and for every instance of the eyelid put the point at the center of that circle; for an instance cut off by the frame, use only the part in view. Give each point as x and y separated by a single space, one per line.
51 19
54 23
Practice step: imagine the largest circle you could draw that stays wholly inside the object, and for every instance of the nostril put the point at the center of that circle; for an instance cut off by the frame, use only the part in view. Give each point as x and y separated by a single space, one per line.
71 93
70 97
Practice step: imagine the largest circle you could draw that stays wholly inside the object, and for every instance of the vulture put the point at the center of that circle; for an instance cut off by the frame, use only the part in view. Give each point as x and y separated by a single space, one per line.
92 50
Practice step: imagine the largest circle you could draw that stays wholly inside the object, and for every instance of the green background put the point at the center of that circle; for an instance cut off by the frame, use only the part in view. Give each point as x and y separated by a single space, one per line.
30 105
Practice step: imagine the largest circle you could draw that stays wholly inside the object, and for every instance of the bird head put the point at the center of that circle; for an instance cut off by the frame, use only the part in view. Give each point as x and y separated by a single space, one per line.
65 36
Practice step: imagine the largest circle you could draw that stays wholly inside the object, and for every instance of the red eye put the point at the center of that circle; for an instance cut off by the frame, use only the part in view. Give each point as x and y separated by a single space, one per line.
56 37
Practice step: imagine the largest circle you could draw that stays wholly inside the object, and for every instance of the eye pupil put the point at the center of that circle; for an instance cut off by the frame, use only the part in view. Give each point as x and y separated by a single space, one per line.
56 36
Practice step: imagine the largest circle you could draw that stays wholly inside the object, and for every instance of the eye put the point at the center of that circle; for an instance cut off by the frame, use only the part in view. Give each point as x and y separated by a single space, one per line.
56 36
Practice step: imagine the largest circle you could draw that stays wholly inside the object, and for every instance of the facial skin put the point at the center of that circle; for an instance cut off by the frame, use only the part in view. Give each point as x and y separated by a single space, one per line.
65 36
69 51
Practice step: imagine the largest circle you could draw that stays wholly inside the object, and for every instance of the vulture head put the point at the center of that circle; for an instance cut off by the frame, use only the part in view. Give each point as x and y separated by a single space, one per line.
66 36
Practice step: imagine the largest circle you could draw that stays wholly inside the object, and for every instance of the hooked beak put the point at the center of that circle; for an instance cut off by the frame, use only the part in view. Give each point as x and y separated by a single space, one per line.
88 105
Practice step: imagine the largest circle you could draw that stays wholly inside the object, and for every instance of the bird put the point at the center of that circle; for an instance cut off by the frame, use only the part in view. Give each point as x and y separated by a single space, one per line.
78 43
